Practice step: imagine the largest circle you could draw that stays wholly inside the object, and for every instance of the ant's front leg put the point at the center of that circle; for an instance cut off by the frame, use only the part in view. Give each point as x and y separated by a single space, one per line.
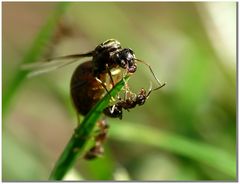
110 75
105 87
111 80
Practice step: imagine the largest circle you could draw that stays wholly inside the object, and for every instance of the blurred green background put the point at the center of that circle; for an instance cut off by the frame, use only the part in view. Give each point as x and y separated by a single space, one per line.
185 131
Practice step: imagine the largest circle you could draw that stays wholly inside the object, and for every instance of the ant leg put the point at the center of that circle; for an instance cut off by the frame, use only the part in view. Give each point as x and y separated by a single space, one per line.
105 87
110 75
94 152
78 118
150 89
111 78
160 85
128 93
126 88
103 126
113 107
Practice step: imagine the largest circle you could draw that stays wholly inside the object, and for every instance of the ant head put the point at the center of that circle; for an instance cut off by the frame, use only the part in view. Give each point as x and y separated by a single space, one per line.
125 58
141 97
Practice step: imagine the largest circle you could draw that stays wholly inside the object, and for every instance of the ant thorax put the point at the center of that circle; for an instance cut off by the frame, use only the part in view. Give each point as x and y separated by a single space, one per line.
102 56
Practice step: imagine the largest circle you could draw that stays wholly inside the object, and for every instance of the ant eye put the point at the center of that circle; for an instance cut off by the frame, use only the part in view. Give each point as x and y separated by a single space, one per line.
125 57
123 63
140 99
129 56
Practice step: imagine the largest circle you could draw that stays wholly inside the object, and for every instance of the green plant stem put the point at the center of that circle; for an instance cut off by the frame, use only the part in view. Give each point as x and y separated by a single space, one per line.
81 135
34 52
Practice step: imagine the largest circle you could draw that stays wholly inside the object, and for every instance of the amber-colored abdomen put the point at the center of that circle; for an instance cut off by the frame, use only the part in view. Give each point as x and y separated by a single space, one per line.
85 90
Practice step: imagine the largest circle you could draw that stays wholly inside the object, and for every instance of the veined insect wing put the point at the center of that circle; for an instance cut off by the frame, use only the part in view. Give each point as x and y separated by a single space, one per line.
51 64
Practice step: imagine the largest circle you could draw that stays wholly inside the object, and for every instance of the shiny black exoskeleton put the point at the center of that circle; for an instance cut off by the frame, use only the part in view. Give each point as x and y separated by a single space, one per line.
126 59
116 110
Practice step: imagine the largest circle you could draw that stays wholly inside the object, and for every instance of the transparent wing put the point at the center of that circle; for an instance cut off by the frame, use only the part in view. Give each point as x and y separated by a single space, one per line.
51 64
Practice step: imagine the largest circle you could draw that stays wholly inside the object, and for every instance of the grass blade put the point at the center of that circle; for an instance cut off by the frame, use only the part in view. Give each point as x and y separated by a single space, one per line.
80 136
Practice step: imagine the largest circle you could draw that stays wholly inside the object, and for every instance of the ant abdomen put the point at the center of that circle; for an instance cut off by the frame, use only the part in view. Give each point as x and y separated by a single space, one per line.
114 111
85 89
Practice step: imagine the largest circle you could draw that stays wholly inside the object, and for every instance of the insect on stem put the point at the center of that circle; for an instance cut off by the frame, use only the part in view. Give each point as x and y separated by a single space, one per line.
90 82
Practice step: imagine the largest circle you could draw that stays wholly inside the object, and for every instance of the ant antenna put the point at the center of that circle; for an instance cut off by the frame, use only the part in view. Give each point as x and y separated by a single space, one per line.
151 71
160 85
157 88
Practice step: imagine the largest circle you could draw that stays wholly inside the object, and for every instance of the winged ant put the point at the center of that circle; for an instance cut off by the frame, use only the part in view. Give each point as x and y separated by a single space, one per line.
92 79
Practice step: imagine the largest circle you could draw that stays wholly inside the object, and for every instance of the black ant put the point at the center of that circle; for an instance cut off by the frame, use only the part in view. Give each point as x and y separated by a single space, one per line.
115 111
